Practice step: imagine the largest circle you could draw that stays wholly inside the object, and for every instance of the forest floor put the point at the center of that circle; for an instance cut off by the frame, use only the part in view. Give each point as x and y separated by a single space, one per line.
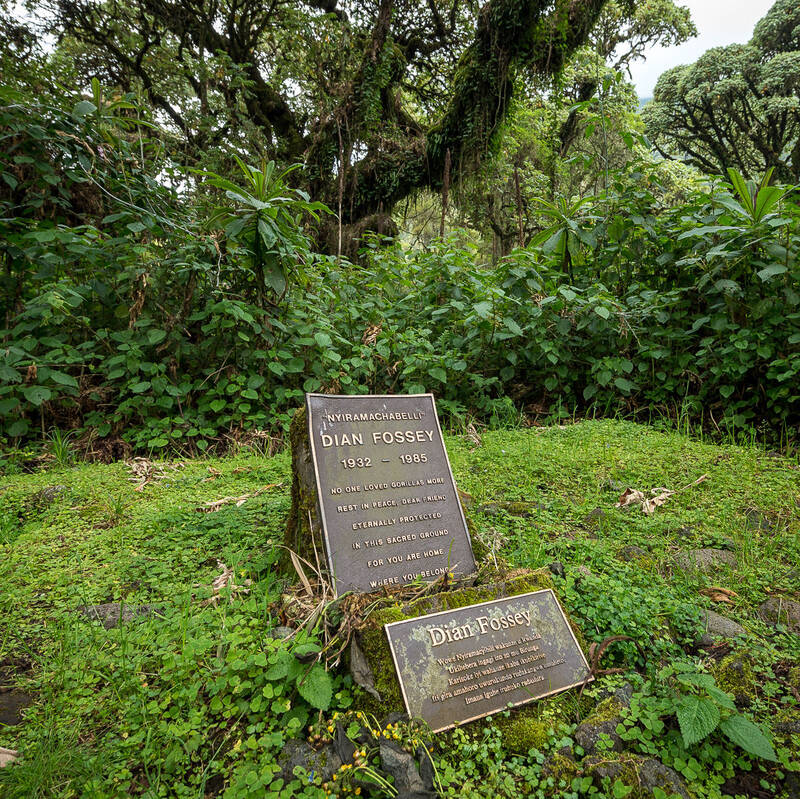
151 706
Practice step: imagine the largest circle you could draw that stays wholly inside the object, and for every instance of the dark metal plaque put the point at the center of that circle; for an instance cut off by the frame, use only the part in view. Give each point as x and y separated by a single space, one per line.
388 501
460 665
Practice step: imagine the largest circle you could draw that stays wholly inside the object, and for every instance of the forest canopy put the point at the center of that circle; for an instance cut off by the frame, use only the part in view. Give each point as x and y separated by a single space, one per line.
208 210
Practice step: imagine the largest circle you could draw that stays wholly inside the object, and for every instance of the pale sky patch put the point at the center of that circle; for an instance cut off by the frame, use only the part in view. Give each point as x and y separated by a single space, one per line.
719 22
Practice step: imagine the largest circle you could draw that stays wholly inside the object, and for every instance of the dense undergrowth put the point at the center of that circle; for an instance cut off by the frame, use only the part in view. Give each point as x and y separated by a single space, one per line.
199 700
140 314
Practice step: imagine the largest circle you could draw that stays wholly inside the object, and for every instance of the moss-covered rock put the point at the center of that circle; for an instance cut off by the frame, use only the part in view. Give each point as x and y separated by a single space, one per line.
522 731
303 528
598 732
490 583
736 675
560 768
642 774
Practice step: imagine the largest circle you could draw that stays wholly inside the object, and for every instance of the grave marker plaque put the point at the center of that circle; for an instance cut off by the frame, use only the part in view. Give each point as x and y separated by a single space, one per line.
388 503
461 665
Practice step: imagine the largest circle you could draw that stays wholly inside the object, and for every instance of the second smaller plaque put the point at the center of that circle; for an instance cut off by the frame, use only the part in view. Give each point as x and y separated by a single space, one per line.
463 664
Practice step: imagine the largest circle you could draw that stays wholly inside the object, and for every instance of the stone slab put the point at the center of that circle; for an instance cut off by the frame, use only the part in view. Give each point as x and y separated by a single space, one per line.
388 503
464 664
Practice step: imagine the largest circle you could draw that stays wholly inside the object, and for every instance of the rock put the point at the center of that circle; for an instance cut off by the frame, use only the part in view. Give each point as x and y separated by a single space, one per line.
324 762
112 614
638 772
345 748
360 670
557 568
598 733
403 767
559 766
599 736
632 552
735 675
705 560
791 727
781 610
717 626
594 516
584 571
622 694
7 756
12 703
427 771
523 509
48 495
280 633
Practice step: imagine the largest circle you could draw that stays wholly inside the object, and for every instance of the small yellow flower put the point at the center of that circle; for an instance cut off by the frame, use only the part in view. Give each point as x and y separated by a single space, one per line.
358 791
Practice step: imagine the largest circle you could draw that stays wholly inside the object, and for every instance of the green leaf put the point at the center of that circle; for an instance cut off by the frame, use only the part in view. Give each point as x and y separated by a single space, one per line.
623 385
83 108
602 311
63 378
748 736
8 405
770 271
274 275
721 698
36 395
280 667
483 309
9 375
316 687
217 405
138 388
156 336
697 718
323 340
249 393
438 374
513 326
18 428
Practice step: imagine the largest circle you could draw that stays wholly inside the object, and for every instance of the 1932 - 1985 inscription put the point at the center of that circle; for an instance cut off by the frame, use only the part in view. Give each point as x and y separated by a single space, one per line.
463 664
388 501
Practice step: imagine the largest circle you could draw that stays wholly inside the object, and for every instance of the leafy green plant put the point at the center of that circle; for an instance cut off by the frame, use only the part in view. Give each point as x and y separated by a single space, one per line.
60 445
701 708
266 219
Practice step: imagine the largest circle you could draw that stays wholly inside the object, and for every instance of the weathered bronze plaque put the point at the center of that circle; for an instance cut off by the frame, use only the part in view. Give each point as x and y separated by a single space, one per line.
461 665
388 501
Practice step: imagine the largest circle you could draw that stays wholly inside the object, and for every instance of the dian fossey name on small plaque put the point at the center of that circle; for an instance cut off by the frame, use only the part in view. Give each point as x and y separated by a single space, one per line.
461 665
388 501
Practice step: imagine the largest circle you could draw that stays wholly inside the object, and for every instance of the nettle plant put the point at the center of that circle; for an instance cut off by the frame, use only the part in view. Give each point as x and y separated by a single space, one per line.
700 707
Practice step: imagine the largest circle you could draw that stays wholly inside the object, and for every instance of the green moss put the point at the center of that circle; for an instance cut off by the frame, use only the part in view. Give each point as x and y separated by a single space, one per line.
735 674
303 531
606 710
560 769
522 732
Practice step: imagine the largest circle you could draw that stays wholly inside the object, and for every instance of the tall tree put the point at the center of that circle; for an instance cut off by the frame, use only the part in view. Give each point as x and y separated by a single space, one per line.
736 106
371 95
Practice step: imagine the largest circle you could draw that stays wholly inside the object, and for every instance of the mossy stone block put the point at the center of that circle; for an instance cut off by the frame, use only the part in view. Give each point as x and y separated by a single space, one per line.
490 584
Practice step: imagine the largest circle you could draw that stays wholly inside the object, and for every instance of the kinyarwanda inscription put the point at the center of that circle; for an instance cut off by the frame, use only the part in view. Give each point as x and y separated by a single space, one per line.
388 503
464 664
